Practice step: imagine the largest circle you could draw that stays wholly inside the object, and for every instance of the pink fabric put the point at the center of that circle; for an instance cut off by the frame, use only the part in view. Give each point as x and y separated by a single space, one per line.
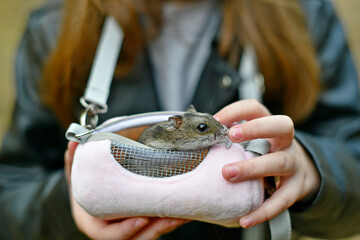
105 189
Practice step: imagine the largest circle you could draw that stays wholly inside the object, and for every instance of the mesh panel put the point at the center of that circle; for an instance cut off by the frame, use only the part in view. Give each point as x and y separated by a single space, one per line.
156 162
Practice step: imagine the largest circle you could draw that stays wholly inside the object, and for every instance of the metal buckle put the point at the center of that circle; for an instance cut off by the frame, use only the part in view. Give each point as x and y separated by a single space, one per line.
89 118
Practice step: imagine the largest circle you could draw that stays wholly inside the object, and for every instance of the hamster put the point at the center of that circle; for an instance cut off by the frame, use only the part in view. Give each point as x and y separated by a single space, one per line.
189 131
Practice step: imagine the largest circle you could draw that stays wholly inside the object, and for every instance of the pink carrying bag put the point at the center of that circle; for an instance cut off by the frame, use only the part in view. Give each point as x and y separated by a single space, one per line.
115 177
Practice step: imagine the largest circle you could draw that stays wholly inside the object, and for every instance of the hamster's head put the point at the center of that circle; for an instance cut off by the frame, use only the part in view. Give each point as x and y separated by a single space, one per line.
202 129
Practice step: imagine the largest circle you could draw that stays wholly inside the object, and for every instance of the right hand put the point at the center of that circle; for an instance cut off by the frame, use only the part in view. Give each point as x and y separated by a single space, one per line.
135 228
299 179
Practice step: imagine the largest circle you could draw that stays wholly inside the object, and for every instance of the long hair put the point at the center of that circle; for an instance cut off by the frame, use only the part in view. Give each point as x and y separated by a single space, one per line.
275 28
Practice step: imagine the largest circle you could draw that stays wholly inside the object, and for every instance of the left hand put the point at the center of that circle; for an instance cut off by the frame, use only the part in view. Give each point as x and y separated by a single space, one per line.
299 178
134 228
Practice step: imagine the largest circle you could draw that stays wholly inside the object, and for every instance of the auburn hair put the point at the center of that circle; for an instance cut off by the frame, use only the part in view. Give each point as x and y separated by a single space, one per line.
275 28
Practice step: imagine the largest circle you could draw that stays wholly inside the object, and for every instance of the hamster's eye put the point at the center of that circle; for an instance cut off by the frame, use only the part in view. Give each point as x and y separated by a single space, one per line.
202 127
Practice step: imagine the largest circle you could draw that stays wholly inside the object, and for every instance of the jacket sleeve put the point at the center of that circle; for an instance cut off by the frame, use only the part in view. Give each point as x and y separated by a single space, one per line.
33 192
332 134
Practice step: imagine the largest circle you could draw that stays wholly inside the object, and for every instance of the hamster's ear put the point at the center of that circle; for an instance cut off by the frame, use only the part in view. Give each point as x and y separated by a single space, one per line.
191 109
176 121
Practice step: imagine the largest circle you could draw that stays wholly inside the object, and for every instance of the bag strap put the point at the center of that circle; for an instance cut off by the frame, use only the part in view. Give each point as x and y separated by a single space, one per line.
102 72
252 86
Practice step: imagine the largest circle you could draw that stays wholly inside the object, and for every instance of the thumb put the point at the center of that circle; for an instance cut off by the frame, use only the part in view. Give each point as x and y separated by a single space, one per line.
68 159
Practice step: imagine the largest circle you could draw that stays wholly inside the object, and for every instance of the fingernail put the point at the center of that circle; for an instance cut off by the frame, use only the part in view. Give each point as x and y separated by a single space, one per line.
217 118
236 134
246 222
232 172
140 222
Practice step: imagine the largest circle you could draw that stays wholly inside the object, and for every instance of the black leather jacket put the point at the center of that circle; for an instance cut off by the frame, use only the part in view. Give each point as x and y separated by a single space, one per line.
34 201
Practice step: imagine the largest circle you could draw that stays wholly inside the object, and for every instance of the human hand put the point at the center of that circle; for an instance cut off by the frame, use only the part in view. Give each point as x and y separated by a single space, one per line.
135 228
299 179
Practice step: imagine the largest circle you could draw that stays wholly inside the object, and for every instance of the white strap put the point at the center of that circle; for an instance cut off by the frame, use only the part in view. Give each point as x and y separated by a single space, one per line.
257 232
102 71
280 226
258 146
280 229
252 85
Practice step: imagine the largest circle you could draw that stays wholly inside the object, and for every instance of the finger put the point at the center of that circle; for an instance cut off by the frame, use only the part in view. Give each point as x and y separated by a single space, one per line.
72 146
68 158
70 151
97 228
281 200
279 129
241 110
122 230
68 161
159 227
272 164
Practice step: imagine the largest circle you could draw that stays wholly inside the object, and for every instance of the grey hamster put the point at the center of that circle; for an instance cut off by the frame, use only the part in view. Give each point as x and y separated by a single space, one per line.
189 131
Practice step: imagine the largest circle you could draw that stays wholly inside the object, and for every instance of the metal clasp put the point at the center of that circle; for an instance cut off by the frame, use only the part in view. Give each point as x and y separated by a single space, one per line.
89 118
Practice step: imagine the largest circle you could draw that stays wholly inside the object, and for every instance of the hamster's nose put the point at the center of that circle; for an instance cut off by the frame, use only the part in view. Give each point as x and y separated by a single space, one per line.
223 132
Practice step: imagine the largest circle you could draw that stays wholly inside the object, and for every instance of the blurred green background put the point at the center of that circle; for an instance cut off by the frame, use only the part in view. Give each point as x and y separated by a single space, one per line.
14 14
